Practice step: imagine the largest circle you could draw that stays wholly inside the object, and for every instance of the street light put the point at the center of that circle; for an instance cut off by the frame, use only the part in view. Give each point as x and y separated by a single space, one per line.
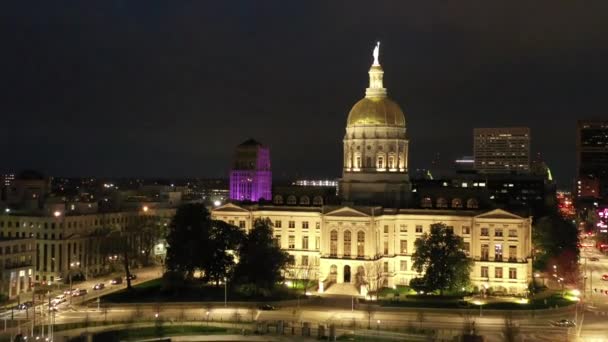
225 292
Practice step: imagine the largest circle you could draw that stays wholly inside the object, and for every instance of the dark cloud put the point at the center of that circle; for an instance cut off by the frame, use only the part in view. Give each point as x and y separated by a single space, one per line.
169 88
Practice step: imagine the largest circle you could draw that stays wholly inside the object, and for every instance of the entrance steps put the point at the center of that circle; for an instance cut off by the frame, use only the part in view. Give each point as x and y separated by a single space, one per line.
348 289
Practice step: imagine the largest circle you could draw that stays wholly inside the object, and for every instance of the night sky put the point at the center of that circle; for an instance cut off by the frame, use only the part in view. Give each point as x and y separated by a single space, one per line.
167 89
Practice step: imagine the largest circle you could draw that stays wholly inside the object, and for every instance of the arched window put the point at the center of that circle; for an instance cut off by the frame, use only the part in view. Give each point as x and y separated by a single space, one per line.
380 161
291 199
317 200
391 161
333 243
347 244
304 200
472 203
426 202
357 160
456 203
360 244
442 203
278 199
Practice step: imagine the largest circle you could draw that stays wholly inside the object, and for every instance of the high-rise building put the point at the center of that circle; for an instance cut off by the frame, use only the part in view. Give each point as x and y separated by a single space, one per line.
502 150
251 177
592 158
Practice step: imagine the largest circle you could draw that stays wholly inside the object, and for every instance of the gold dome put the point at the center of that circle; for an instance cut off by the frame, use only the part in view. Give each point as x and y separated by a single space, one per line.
379 111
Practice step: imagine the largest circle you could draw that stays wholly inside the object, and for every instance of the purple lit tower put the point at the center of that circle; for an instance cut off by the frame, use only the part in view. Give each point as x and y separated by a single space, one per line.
250 177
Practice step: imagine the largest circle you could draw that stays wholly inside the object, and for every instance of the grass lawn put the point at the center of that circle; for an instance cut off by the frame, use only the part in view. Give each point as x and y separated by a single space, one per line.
151 291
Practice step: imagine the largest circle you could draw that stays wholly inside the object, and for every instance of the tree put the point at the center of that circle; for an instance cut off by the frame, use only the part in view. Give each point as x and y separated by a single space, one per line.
118 244
556 243
261 261
441 256
198 243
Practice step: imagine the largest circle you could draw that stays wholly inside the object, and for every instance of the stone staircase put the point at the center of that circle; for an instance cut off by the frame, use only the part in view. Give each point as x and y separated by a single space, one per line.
346 289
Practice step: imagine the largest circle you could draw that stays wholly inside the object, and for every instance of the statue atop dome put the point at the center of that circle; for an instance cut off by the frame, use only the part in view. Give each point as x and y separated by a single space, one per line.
376 53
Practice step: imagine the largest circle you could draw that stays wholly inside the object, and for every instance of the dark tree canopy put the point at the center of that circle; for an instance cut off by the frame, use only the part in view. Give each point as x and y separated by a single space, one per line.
441 256
556 243
261 259
198 243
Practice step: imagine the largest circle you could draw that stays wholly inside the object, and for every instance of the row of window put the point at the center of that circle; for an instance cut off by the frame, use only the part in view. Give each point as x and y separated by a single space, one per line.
498 272
498 252
441 202
15 249
292 224
333 244
23 235
291 242
70 224
382 161
498 232
292 200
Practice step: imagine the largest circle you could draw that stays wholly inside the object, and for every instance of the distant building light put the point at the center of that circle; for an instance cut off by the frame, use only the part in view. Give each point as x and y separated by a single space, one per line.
217 203
57 213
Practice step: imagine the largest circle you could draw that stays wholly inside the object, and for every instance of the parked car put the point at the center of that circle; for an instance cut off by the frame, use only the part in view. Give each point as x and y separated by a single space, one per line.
267 307
564 323
594 259
99 286
116 281
25 305
68 292
79 292
58 300
605 277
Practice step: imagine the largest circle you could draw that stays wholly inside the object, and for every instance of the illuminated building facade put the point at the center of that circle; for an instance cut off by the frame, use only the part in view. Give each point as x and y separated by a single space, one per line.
251 177
16 265
502 150
592 158
367 242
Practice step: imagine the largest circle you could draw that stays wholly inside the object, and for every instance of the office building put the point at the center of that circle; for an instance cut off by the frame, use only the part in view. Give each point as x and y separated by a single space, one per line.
251 176
502 150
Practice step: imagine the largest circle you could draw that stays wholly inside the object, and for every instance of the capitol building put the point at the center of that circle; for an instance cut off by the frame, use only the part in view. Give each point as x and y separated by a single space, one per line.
366 243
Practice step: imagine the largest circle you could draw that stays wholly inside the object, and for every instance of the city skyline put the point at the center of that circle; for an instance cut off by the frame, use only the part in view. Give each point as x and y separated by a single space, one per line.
168 91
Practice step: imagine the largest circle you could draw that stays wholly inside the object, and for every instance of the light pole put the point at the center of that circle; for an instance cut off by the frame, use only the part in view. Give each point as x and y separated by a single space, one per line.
225 292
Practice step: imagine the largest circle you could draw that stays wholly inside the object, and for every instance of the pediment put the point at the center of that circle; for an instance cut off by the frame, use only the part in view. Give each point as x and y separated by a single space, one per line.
346 212
499 214
229 207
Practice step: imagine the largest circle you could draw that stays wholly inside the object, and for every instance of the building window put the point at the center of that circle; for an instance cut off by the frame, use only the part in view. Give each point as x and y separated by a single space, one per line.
317 200
360 244
304 260
385 247
484 272
391 162
466 230
485 232
231 222
403 246
385 267
292 224
305 242
418 228
442 203
472 203
498 252
278 224
380 162
403 228
317 242
512 273
403 265
485 252
358 161
304 200
291 199
291 243
304 224
347 244
318 225
498 232
333 248
241 224
467 248
426 202
512 253
278 199
512 232
498 272
456 203
385 229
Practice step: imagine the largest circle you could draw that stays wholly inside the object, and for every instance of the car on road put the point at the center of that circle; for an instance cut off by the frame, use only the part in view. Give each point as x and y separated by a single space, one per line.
58 300
116 281
79 292
594 259
605 277
566 323
25 305
267 307
133 276
68 292
99 286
